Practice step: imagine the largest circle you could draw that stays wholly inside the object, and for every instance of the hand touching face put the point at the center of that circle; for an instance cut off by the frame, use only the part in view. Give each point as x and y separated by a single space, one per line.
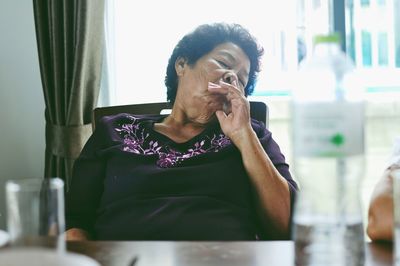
234 119
227 66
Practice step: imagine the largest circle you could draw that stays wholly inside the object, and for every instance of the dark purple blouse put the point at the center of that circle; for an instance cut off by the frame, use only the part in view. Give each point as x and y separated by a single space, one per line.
133 183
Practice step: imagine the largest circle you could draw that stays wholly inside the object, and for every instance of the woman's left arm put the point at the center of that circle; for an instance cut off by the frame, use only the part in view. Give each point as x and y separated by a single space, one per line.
272 191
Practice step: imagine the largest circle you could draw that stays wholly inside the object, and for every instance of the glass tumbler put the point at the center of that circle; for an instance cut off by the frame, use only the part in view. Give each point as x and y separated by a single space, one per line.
35 212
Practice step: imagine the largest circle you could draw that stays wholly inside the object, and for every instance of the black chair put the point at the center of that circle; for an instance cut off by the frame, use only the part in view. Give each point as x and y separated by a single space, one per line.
258 110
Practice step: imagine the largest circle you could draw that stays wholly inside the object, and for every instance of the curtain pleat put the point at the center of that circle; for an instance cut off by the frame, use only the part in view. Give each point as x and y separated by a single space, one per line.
70 39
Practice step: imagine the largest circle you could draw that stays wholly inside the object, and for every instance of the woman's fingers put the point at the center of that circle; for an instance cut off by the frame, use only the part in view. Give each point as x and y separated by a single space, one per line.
216 88
221 116
229 90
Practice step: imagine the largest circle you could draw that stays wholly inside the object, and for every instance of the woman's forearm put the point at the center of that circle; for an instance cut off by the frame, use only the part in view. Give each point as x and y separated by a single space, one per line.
272 193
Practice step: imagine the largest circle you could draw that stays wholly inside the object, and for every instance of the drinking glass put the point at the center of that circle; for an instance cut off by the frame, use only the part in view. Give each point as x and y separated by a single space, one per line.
396 204
35 213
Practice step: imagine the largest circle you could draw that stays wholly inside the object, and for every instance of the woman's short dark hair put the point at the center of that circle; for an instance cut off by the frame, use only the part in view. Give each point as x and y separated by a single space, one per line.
203 40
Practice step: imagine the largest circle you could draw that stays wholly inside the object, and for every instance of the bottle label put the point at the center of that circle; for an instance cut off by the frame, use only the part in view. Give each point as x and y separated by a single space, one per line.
334 129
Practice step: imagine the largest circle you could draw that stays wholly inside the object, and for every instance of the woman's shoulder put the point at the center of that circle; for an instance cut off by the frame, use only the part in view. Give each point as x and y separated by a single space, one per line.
113 127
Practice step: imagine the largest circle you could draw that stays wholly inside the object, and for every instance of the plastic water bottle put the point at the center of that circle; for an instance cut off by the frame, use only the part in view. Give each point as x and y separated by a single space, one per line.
328 141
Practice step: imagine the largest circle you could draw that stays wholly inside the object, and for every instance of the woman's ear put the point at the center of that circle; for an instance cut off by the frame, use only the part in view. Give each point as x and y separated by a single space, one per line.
180 65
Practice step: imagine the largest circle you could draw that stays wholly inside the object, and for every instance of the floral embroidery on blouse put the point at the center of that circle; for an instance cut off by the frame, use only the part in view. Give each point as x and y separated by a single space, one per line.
136 140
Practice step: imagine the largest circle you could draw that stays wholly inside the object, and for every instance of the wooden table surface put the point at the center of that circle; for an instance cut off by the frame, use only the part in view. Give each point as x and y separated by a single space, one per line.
154 253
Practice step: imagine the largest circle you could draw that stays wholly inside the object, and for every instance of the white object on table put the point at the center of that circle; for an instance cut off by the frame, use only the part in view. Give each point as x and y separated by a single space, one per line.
43 257
35 208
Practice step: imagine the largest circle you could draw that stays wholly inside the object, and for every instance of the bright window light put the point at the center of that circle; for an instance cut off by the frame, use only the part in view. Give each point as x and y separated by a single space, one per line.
142 34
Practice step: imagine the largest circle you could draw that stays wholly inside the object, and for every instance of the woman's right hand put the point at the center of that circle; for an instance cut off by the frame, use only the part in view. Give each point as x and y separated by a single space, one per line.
76 234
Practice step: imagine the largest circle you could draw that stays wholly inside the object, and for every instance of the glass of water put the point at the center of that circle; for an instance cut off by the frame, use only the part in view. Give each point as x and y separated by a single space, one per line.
35 213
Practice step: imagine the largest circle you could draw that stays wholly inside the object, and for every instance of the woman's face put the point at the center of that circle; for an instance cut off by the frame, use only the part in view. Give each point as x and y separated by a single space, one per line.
226 62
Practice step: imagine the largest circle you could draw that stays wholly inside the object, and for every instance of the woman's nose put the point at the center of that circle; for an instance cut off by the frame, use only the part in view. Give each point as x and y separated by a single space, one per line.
229 77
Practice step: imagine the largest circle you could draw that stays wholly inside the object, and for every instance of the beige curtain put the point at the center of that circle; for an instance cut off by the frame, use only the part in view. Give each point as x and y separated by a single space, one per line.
70 45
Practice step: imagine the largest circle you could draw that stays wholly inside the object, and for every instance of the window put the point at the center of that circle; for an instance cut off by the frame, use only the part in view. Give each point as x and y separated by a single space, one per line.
374 35
396 31
383 49
143 38
381 2
364 2
398 55
366 48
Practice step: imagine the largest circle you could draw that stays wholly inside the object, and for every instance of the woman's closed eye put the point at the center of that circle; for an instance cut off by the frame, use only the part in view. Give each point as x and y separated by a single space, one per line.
223 64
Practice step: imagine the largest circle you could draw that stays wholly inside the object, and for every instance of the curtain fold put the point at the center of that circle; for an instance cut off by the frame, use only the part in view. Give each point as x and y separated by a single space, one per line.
70 40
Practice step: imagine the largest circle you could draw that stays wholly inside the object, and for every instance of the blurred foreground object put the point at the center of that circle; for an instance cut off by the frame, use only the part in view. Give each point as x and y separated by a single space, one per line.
328 138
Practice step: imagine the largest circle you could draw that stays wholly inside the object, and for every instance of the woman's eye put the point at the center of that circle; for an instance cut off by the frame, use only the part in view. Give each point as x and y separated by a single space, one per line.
223 64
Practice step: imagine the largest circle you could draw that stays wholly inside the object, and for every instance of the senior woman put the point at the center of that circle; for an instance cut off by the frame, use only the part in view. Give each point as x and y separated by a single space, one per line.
207 171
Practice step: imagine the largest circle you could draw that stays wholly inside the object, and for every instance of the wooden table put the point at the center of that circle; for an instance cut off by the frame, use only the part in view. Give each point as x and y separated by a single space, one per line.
148 253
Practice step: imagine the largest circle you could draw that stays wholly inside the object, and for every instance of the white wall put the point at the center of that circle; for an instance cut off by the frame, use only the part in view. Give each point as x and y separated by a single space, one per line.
21 99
